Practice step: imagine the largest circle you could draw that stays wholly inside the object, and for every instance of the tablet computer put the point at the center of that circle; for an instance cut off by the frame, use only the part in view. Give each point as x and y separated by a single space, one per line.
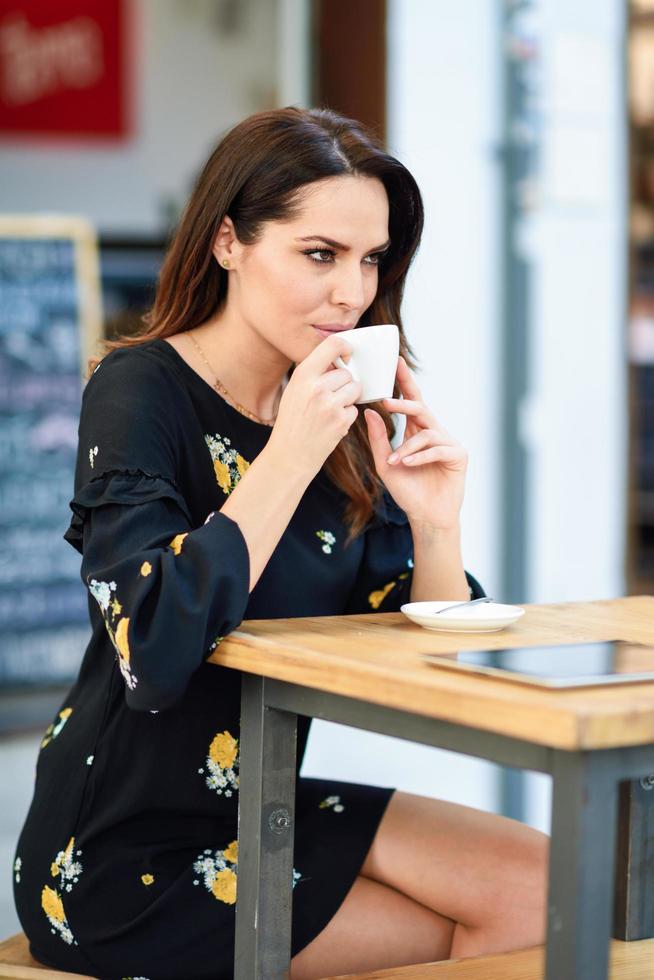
562 666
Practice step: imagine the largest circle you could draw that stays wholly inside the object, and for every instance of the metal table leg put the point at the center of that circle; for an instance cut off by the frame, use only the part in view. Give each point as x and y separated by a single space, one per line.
580 901
266 813
634 906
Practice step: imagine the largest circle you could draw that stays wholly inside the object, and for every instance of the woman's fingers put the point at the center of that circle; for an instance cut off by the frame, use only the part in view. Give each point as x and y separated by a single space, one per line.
452 455
378 436
407 406
418 410
406 381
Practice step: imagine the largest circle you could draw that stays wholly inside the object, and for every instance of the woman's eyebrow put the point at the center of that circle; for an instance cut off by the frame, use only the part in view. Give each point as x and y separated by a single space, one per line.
339 245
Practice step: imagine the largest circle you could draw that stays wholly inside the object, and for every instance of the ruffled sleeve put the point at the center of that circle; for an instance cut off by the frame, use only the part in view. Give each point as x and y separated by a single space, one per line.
167 591
385 575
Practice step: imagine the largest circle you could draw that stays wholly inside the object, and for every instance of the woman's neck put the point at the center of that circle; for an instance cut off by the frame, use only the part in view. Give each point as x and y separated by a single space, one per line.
252 372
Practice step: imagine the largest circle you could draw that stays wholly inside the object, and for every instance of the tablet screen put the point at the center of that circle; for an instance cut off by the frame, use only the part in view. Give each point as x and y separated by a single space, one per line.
565 665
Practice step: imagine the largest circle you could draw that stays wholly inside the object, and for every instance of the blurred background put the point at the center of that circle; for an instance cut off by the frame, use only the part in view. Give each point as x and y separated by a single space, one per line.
529 125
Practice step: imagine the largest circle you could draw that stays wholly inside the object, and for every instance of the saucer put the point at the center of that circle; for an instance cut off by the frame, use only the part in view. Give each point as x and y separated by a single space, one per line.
485 617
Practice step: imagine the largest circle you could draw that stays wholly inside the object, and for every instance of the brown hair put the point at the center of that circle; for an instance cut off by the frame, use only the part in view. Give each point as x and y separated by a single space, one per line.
254 175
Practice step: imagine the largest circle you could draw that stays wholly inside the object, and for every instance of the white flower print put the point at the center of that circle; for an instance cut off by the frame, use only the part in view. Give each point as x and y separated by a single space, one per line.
117 627
222 763
67 870
18 864
328 538
334 802
219 871
101 592
53 730
228 464
92 454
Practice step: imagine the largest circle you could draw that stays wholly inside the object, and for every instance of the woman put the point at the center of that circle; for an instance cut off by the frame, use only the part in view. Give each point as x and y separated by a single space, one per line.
225 472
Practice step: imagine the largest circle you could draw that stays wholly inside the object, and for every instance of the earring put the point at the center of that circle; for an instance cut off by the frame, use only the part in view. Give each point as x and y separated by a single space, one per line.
226 263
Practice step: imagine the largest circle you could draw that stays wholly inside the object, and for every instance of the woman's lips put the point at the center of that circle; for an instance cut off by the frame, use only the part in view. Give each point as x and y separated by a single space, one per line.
329 329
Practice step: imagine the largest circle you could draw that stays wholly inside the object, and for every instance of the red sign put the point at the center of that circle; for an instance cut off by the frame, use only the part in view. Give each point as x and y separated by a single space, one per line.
62 70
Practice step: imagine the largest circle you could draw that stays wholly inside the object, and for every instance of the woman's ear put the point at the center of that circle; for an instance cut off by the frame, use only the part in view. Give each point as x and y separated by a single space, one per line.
226 246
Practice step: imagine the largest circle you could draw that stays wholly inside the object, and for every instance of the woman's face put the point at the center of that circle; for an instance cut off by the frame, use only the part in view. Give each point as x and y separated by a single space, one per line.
315 273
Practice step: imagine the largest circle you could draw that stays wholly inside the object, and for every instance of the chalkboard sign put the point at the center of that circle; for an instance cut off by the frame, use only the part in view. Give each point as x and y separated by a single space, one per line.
49 325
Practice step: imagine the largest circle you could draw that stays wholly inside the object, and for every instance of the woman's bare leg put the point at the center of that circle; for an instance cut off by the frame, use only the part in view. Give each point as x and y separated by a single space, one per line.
485 872
440 881
375 927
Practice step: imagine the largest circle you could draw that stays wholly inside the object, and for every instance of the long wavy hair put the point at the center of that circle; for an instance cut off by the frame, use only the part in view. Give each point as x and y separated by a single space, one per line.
254 175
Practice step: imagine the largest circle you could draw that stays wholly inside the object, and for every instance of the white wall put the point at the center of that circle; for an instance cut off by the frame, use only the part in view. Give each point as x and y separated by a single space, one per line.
575 419
191 82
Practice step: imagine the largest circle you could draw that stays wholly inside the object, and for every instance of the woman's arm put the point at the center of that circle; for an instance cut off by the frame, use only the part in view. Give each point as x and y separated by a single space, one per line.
263 503
437 564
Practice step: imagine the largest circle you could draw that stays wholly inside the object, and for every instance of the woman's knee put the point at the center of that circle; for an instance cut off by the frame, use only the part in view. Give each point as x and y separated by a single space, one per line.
522 897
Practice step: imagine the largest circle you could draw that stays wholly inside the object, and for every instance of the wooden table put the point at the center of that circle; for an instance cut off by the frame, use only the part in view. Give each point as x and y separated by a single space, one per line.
366 671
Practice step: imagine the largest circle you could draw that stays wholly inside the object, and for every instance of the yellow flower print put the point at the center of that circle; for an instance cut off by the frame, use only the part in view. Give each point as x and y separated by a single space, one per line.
222 763
176 543
147 879
67 869
121 639
222 475
52 905
223 750
224 887
217 877
376 598
53 730
228 464
146 568
110 608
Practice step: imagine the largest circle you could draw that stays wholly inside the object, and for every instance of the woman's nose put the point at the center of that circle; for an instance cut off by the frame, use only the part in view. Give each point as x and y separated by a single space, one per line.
349 288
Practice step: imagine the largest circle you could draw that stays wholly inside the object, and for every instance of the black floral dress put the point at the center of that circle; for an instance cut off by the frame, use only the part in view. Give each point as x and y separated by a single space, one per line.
127 863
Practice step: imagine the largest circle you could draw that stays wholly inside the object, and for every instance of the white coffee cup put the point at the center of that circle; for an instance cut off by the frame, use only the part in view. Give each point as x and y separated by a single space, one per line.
373 360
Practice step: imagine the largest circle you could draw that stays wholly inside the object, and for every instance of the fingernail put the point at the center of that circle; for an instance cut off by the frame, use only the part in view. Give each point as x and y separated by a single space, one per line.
392 459
409 459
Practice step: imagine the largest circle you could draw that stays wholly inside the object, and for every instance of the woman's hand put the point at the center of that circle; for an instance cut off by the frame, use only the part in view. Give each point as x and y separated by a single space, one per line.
426 474
316 409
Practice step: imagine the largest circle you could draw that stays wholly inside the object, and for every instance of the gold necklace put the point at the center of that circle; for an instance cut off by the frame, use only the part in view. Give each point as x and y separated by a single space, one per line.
220 388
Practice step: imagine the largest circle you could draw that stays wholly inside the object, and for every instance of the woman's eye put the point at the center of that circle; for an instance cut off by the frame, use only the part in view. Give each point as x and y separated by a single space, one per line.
321 252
